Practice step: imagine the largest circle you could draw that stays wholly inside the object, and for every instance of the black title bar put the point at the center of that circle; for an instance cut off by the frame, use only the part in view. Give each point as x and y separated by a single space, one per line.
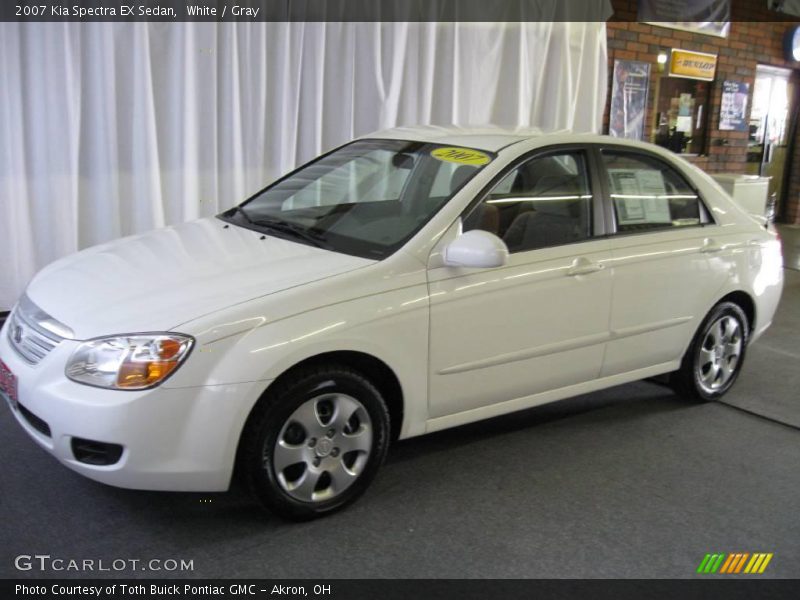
699 588
238 11
305 10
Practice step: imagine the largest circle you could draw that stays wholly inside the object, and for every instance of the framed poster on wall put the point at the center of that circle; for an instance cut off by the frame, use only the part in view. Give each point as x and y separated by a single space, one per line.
733 106
629 99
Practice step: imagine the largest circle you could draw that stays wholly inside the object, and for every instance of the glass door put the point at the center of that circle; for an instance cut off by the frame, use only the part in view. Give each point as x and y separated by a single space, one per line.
771 126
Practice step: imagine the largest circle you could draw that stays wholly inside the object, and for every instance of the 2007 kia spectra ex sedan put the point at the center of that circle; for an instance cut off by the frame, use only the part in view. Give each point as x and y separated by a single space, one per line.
413 280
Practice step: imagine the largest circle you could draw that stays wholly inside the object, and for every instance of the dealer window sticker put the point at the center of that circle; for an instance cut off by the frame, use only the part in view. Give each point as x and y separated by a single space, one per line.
463 156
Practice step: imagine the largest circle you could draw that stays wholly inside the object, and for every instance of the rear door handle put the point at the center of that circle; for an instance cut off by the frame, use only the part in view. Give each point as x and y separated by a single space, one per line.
584 266
710 246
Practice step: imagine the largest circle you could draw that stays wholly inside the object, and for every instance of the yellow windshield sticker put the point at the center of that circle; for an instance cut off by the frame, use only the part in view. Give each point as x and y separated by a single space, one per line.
463 156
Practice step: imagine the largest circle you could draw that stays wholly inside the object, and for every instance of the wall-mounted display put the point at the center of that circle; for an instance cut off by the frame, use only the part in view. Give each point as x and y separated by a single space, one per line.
733 106
693 65
710 17
629 99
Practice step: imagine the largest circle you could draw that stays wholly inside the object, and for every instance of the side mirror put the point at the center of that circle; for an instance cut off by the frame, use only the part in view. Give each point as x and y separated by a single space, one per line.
476 248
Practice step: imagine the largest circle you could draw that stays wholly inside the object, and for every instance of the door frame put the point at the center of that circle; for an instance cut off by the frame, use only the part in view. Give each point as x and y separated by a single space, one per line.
793 80
608 203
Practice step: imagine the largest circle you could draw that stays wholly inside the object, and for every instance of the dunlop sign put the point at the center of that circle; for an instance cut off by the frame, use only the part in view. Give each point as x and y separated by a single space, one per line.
694 65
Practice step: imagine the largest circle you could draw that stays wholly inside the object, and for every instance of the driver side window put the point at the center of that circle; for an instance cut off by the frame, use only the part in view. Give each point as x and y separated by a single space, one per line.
545 201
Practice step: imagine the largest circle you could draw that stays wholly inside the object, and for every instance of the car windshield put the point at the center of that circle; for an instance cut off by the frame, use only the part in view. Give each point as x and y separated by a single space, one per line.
367 198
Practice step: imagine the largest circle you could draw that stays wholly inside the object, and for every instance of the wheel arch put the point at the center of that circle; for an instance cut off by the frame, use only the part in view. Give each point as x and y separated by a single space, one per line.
373 368
739 297
746 303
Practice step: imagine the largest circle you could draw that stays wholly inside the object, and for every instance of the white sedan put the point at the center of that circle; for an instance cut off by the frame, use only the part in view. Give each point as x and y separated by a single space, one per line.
406 282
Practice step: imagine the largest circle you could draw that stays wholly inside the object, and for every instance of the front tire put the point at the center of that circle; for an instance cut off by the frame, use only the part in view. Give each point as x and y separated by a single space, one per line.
715 357
315 442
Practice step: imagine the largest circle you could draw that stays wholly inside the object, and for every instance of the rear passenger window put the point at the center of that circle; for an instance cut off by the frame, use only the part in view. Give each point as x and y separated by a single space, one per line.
543 202
649 194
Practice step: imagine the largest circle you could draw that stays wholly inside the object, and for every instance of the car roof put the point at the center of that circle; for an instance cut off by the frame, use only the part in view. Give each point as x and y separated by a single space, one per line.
487 137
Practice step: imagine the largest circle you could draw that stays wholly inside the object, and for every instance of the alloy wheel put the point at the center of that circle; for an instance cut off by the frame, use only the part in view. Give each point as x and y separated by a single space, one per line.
322 447
719 355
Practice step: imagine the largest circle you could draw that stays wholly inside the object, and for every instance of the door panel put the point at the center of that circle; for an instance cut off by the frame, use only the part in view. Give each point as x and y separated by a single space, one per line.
536 324
663 283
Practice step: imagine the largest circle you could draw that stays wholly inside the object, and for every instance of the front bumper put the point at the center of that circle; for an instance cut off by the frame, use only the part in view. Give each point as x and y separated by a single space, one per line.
177 439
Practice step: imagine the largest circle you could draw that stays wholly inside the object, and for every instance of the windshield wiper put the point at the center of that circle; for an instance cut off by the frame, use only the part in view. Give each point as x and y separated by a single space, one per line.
297 231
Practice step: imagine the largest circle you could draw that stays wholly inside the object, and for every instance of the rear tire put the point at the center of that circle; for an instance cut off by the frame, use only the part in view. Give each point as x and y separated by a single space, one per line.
715 356
315 442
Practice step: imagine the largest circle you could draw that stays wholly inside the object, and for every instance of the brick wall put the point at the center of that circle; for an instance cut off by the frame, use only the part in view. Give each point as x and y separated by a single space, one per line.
754 38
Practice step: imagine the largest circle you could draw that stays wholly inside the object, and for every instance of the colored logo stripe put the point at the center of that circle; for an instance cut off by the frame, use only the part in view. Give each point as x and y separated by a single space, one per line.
734 563
710 563
758 563
727 564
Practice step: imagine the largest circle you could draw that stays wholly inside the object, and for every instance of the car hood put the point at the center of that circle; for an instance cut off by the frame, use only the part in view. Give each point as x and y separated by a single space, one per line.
158 280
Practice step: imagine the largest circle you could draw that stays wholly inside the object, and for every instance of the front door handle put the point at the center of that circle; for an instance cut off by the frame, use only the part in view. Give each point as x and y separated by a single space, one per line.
710 246
584 266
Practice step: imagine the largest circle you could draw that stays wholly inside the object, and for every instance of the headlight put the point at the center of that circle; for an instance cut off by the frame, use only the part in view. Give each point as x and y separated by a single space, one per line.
128 362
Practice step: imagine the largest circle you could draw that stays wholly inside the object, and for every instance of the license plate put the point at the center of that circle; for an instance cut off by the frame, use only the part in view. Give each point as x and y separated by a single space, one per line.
8 384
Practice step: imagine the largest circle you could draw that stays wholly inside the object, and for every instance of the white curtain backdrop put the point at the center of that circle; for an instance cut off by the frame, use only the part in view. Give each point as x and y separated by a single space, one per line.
109 129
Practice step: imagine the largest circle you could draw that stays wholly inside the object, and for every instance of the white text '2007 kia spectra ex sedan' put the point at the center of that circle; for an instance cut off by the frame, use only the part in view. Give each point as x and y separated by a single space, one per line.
406 282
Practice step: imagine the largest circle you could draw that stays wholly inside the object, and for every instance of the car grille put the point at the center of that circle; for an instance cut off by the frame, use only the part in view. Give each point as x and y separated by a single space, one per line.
33 333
